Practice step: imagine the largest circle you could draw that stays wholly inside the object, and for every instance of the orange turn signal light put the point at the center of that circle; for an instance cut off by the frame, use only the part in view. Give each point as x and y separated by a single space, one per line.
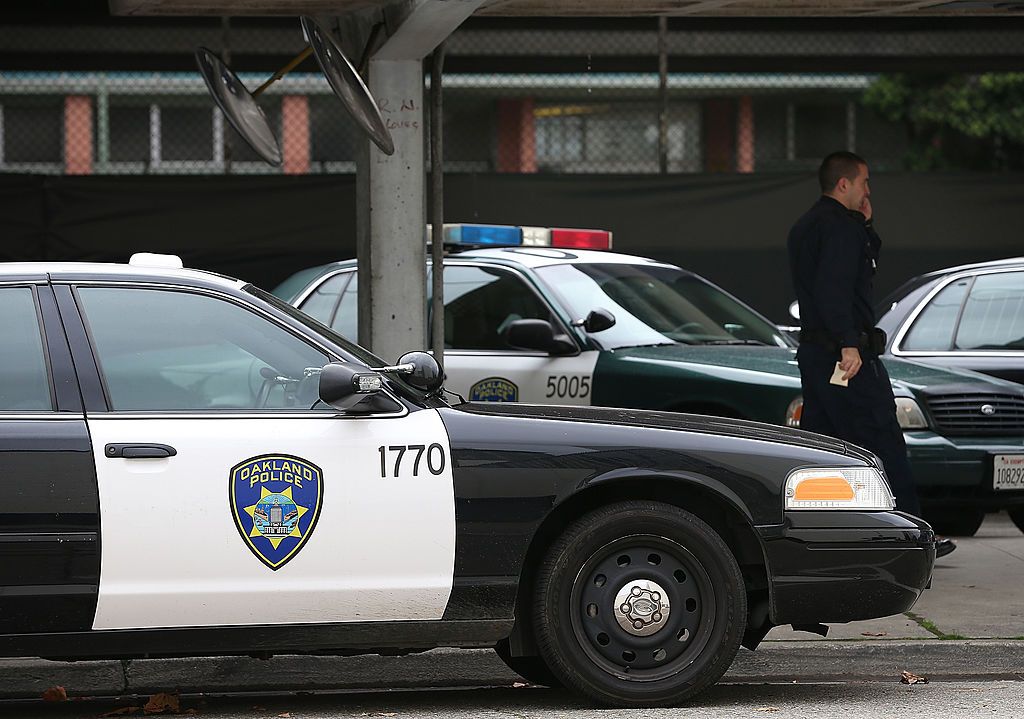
821 489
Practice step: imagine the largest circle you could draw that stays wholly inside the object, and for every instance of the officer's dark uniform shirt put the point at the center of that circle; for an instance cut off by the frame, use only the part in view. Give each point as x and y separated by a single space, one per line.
832 257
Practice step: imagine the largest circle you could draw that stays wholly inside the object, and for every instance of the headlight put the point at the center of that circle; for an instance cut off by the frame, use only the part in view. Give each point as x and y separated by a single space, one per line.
861 488
909 414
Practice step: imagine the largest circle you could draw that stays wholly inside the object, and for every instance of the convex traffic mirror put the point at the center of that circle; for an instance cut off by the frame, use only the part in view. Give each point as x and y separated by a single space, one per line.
247 117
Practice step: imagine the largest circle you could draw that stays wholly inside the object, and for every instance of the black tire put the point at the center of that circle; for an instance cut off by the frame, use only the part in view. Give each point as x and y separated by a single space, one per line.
955 522
690 605
1017 515
532 669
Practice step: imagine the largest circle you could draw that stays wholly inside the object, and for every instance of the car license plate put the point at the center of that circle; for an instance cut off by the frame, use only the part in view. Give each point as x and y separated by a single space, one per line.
1008 471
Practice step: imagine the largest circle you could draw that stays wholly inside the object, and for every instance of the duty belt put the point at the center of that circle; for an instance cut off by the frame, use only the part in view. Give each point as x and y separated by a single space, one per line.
870 341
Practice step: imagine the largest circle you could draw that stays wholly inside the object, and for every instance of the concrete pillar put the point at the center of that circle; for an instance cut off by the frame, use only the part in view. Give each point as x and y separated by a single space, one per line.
392 260
295 134
78 135
745 143
392 190
517 136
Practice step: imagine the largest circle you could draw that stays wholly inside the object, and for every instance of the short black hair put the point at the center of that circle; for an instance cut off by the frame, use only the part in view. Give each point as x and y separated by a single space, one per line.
836 165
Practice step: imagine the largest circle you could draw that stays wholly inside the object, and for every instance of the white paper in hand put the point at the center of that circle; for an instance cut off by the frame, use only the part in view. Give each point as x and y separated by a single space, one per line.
837 376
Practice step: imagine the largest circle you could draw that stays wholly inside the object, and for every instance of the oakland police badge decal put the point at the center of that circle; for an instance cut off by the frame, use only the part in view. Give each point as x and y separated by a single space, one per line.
494 389
275 500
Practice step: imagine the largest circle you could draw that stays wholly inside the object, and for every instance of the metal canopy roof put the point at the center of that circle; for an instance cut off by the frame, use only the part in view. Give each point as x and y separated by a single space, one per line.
596 8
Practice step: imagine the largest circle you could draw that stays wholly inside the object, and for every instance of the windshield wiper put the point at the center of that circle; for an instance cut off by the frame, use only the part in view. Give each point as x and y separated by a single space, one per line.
652 344
735 342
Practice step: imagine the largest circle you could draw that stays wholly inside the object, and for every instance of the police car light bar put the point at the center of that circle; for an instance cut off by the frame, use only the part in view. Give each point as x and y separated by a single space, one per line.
515 236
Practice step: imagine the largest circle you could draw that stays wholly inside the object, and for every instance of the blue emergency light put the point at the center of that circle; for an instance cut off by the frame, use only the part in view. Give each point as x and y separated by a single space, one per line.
462 234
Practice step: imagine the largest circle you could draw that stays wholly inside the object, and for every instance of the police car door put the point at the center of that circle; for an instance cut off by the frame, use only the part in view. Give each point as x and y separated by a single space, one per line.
226 500
480 302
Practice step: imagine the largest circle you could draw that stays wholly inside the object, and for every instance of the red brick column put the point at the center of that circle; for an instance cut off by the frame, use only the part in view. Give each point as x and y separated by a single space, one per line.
295 134
719 136
517 136
745 142
78 135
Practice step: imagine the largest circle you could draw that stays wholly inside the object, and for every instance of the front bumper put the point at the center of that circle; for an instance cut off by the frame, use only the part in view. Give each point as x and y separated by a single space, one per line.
840 566
957 471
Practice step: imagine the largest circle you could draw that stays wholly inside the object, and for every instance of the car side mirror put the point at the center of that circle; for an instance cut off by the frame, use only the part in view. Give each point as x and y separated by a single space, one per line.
599 320
538 335
425 373
344 385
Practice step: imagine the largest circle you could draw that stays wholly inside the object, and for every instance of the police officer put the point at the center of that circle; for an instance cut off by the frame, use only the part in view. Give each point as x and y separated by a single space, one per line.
833 255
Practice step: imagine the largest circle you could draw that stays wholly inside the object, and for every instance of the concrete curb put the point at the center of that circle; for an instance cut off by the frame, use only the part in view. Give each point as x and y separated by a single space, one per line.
811 661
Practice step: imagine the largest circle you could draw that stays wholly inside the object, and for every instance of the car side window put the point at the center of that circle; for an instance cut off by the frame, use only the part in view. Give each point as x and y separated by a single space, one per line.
174 350
346 318
481 302
993 317
322 302
24 381
933 329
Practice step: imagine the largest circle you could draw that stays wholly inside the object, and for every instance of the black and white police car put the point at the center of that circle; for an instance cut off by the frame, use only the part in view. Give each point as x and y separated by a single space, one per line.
193 467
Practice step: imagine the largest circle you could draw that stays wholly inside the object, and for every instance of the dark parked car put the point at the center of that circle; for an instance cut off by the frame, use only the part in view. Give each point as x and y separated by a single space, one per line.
968 317
586 327
193 467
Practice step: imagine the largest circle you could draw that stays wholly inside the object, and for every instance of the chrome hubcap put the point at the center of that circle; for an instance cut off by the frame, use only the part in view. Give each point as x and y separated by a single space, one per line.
641 607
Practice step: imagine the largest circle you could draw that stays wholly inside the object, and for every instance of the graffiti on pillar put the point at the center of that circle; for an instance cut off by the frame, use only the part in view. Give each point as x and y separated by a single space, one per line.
393 114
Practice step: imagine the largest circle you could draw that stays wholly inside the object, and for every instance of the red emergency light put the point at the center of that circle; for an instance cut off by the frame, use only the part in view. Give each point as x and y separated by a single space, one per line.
581 239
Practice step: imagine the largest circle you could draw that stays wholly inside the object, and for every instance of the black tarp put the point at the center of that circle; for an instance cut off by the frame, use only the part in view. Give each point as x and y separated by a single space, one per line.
730 228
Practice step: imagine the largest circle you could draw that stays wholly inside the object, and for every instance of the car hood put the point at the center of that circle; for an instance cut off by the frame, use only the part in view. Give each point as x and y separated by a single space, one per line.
753 363
667 420
933 379
760 364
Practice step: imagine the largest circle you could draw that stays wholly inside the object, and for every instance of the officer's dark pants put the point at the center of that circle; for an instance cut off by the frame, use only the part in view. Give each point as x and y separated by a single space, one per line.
863 413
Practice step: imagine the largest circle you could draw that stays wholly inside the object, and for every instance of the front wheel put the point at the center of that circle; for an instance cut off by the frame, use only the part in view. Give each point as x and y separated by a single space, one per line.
639 604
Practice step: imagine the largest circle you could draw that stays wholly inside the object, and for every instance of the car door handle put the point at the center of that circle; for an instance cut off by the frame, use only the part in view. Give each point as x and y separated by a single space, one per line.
139 451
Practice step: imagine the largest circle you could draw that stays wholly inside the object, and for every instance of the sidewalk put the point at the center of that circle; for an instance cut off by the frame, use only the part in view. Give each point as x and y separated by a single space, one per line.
968 626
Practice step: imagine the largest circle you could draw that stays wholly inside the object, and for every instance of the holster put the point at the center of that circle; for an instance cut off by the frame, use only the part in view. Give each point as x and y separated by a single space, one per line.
874 339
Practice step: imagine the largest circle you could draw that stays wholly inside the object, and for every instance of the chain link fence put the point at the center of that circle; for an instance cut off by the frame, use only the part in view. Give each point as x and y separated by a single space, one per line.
567 99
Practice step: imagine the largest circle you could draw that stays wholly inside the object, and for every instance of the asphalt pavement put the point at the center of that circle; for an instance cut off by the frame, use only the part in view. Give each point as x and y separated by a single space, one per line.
968 627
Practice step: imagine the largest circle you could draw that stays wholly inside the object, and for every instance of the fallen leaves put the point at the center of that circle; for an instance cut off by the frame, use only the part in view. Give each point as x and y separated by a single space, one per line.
767 709
55 694
159 703
163 703
911 678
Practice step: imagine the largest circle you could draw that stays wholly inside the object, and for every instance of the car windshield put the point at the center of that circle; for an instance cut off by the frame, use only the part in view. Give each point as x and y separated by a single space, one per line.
657 304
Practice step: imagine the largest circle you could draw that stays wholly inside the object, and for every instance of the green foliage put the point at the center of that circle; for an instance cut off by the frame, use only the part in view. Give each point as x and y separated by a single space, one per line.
955 121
